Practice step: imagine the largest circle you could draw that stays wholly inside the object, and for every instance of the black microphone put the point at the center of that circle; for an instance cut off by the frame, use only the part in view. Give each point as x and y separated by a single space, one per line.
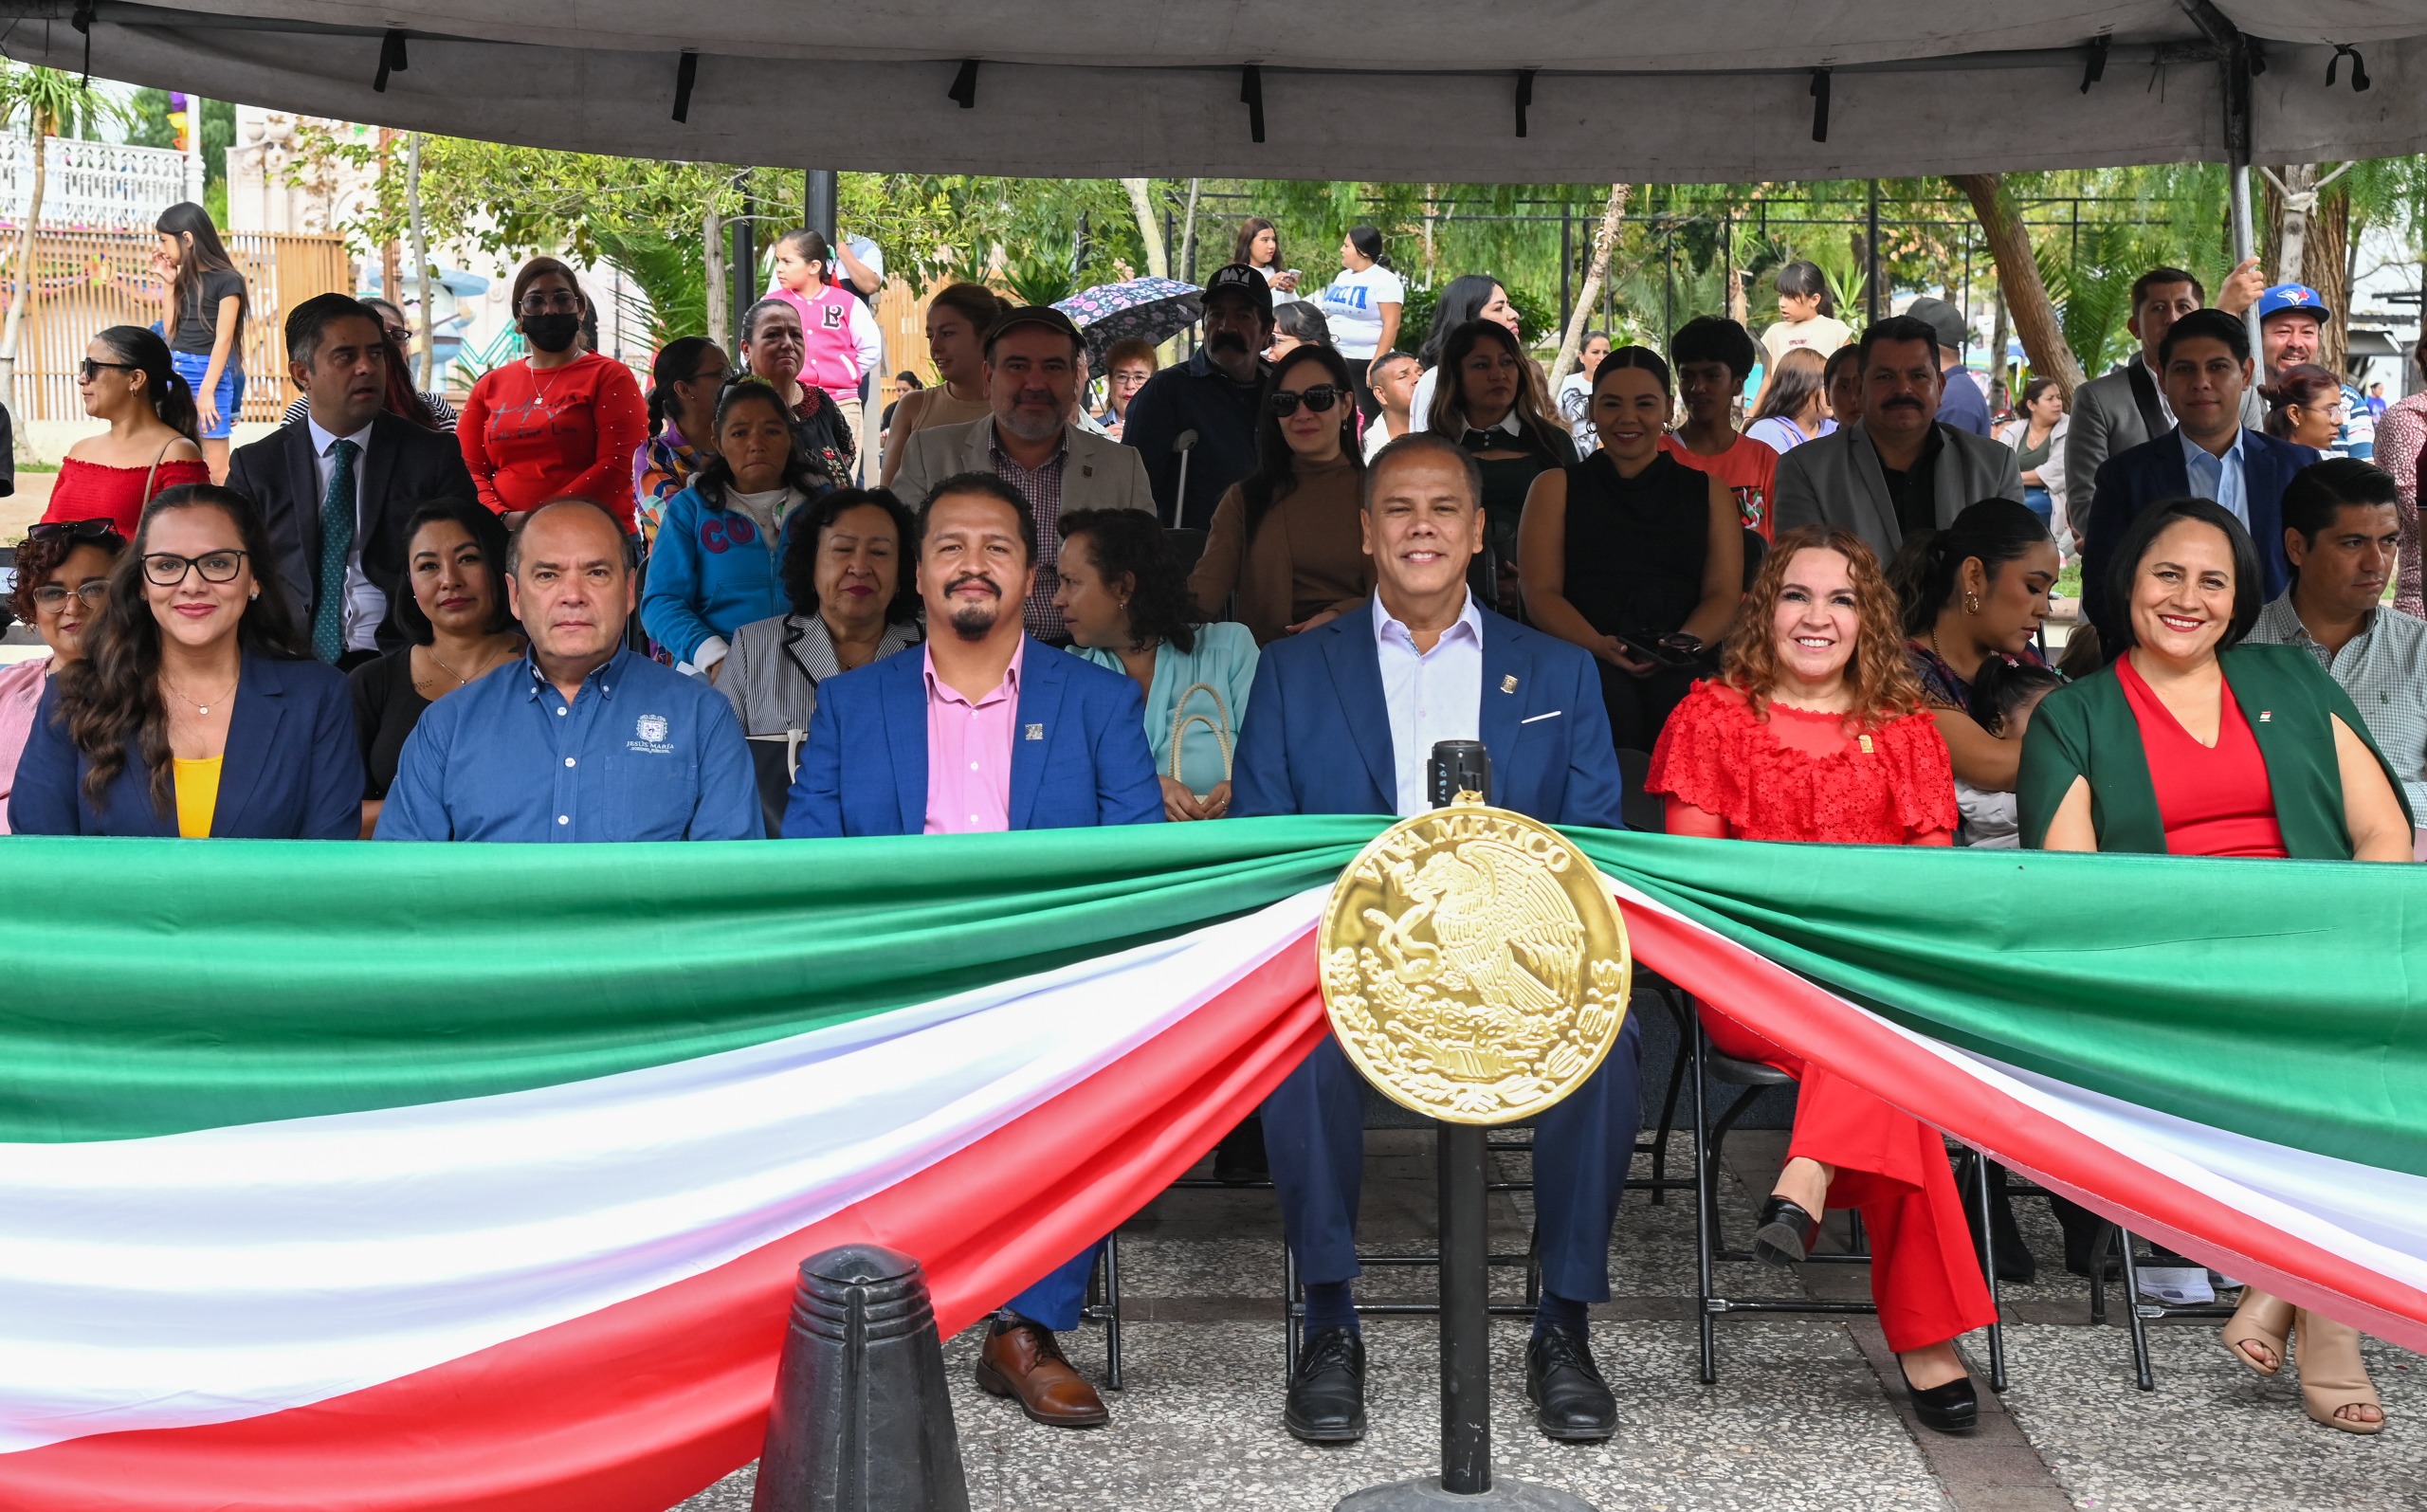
1456 767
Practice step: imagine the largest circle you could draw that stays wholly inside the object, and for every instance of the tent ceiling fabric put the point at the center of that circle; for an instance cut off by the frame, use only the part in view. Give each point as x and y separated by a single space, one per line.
1415 90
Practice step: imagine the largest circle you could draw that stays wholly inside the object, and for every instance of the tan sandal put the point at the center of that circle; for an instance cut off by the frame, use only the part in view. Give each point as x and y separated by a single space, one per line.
2333 1376
2263 1320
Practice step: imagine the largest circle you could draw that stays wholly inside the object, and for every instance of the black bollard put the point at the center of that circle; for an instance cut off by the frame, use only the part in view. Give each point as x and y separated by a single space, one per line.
862 1421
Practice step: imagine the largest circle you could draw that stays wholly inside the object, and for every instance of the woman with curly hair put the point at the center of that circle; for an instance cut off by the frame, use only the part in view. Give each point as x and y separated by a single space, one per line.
1815 729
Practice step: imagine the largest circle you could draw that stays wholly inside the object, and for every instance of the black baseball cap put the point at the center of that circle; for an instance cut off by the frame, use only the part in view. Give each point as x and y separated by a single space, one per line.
1237 278
1044 315
1941 318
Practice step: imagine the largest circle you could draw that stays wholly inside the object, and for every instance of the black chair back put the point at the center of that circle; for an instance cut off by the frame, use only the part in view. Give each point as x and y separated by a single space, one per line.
1187 546
1643 810
1756 548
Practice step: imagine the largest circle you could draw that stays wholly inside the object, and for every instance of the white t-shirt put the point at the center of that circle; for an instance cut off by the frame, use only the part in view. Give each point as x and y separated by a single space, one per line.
1823 334
1352 305
1280 295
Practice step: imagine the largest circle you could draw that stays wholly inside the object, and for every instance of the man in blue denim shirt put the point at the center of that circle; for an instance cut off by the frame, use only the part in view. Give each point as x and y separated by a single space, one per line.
581 739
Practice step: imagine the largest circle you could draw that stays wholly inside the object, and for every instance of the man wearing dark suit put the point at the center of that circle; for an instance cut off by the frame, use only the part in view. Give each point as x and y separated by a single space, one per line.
986 729
2205 367
1341 720
336 486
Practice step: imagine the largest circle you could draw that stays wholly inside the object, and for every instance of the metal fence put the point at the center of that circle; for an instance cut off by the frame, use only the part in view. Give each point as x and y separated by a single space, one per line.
85 280
91 186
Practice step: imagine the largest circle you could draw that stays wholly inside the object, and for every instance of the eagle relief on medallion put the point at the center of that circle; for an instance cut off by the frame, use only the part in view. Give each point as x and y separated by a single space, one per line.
1474 967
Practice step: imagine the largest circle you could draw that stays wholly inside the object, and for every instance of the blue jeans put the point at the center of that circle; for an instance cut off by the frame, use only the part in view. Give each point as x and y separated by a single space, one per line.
191 366
2039 501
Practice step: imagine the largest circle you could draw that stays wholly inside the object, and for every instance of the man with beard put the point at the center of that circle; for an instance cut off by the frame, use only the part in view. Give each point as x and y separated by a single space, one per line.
1033 361
2291 325
1899 469
985 730
1215 394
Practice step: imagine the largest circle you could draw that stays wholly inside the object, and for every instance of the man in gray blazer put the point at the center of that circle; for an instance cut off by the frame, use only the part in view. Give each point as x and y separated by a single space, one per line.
2118 411
1033 358
1899 469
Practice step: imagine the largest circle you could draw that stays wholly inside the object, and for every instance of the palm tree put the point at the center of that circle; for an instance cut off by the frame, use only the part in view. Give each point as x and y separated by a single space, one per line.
44 98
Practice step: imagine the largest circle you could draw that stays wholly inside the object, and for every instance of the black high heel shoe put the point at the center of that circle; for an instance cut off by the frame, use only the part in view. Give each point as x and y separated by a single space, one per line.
1787 1232
1954 1408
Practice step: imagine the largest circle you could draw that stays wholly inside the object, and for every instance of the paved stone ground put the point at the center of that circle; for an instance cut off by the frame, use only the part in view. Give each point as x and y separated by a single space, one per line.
1805 1416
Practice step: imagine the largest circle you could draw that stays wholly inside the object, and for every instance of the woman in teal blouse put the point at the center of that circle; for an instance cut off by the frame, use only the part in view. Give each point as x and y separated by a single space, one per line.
1127 605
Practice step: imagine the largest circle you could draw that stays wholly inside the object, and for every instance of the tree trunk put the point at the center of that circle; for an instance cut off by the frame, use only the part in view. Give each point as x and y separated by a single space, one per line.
419 232
1997 353
23 294
2018 284
712 248
2291 205
1142 203
1605 240
2325 266
1188 233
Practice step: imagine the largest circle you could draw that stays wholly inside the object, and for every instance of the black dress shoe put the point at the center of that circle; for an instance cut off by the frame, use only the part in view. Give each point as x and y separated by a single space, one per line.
1327 1397
1787 1233
1954 1408
1571 1401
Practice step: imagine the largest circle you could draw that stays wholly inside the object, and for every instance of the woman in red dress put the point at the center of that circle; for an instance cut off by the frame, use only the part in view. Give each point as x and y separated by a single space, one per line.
128 380
1815 729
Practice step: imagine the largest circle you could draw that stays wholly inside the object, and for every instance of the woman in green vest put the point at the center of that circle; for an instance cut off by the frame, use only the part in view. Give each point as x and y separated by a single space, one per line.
2191 743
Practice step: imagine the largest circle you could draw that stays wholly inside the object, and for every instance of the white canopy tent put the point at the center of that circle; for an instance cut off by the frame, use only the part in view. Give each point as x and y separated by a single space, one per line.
1530 91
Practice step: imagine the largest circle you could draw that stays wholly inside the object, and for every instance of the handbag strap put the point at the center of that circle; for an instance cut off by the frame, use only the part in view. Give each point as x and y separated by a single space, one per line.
1183 721
156 470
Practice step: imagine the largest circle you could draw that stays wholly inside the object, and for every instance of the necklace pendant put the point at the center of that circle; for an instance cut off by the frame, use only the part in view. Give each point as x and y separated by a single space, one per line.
204 707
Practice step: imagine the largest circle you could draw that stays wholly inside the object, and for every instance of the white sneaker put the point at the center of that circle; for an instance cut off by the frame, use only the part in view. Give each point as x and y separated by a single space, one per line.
2177 1286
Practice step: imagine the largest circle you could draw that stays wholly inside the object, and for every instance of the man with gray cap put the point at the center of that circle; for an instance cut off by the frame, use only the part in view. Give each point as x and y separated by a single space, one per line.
1034 359
1960 403
1213 395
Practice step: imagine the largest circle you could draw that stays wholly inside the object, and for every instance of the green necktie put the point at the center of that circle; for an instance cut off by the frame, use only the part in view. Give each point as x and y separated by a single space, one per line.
337 544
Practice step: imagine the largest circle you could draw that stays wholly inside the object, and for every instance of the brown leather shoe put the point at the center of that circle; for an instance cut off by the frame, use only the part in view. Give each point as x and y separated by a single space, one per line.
1022 1361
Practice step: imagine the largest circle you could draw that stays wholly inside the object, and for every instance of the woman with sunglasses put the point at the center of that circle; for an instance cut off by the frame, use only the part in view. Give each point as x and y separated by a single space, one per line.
1286 548
129 380
560 421
194 711
62 580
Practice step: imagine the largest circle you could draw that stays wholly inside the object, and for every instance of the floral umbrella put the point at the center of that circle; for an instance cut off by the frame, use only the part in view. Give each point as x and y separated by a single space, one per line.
1149 309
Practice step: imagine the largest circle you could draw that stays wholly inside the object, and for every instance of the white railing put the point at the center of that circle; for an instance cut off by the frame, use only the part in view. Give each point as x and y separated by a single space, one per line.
97 186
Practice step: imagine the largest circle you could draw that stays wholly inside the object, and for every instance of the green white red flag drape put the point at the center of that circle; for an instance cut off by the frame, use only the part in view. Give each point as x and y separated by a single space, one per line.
440 1178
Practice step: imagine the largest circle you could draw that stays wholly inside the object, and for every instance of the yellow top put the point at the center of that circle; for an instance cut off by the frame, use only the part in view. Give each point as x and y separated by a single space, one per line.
197 795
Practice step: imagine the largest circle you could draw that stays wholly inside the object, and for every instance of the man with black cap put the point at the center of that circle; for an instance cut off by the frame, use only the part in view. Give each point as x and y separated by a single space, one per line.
1034 359
1211 395
1960 403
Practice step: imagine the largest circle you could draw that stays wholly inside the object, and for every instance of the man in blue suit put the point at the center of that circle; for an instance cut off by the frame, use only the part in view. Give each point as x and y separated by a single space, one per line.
986 729
2204 369
1341 720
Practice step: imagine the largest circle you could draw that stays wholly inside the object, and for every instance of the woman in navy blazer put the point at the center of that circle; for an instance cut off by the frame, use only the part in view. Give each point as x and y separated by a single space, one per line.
193 713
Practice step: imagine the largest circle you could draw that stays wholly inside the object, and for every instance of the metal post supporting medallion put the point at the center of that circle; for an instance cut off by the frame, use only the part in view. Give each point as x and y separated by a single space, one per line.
1475 970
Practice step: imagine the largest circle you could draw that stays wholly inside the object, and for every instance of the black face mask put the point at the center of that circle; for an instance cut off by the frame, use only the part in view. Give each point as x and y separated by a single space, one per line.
551 333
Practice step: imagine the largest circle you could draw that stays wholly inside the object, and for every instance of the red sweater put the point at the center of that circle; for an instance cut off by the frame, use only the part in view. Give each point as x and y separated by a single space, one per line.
529 437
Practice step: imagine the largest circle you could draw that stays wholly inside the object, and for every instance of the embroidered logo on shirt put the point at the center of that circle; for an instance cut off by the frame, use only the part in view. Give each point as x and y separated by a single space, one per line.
2265 715
649 731
1036 732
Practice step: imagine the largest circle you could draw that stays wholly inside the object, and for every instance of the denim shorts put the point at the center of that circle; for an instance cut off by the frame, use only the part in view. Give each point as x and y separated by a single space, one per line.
191 365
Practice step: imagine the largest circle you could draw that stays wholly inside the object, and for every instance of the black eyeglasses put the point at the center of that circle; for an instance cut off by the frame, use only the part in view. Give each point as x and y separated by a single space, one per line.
89 370
97 528
559 303
93 592
168 569
1318 399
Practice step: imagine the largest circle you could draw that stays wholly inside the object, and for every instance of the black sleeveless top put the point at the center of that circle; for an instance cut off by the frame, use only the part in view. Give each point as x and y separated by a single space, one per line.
1635 546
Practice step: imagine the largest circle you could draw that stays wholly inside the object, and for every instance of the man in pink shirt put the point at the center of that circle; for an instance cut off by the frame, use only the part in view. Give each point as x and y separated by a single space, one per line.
986 730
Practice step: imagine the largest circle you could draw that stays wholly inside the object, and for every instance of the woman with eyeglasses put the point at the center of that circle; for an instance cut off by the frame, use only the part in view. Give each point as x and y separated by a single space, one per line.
2304 405
426 408
62 580
129 380
194 711
1286 549
683 386
560 421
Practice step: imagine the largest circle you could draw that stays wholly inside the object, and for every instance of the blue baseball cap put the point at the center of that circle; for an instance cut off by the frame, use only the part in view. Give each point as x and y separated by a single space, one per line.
2298 298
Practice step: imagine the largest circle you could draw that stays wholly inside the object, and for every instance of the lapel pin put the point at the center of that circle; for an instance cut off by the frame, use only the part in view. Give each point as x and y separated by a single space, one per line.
1508 683
1086 469
1036 732
1866 745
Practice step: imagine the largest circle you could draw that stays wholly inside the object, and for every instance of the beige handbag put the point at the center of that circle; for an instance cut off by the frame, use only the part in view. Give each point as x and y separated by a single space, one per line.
1219 721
